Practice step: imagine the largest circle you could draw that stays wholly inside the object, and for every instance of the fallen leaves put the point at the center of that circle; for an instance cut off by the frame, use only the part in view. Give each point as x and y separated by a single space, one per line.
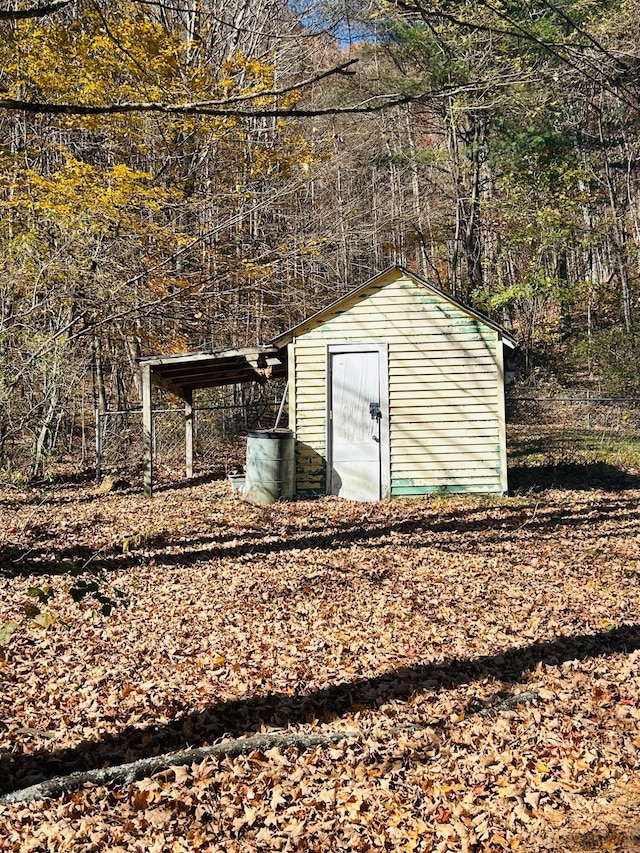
421 624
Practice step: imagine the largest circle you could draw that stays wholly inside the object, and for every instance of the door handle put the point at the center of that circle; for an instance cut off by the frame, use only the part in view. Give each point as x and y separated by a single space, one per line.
374 411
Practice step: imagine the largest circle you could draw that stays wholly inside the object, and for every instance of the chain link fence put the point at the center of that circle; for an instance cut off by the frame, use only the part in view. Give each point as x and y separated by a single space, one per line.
219 438
609 415
541 431
575 440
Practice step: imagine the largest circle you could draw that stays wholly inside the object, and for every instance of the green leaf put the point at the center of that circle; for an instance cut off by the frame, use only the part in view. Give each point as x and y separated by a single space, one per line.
46 620
42 593
72 568
7 631
78 592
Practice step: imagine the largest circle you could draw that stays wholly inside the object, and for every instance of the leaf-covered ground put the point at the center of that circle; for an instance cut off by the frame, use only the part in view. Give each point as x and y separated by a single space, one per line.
486 651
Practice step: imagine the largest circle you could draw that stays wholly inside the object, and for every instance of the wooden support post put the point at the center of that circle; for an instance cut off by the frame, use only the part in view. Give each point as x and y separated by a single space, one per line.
188 431
147 432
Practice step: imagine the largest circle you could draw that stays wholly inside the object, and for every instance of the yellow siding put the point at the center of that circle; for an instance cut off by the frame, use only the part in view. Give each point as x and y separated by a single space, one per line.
446 416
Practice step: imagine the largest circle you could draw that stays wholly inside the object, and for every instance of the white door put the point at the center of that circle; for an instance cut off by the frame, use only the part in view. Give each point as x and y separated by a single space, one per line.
355 419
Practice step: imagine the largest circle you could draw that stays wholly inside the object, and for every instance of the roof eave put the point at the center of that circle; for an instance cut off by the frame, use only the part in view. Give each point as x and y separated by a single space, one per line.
287 337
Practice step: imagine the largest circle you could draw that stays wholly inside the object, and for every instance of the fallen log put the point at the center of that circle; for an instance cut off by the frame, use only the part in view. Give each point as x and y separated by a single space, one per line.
126 774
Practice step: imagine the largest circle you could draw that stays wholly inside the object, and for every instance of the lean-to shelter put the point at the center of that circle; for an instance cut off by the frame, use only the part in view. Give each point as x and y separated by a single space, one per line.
183 374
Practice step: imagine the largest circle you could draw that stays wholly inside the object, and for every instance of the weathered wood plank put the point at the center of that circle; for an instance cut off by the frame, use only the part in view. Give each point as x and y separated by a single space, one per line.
482 444
399 490
456 433
431 387
442 457
446 415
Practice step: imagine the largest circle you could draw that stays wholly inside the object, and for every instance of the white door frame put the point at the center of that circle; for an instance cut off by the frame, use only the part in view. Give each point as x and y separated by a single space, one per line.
382 349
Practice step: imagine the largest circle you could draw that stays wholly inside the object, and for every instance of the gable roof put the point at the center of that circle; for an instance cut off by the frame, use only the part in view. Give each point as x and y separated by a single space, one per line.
335 307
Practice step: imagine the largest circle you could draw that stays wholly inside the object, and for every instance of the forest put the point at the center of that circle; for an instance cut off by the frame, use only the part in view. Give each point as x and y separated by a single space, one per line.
193 174
443 673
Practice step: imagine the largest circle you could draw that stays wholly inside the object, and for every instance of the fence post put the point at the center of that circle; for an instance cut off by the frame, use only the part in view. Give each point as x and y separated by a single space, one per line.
147 430
188 432
98 443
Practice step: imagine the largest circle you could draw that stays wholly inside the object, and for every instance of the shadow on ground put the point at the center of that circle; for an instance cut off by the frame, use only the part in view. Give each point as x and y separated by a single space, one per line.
488 524
282 710
571 476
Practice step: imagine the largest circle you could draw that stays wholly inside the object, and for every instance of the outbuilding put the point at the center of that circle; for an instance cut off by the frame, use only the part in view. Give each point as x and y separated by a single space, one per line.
397 389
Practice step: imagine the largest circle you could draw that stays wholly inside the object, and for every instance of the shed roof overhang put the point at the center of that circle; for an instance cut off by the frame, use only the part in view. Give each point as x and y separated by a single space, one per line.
182 374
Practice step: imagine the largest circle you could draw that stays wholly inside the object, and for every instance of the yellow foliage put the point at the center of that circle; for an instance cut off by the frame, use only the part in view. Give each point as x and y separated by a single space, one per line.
89 204
83 62
127 57
81 189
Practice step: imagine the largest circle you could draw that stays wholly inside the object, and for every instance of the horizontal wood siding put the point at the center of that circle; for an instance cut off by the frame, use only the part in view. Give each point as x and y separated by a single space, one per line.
445 430
310 420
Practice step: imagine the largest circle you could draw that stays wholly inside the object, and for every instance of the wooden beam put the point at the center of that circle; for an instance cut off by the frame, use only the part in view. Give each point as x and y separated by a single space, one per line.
147 429
166 384
177 374
212 356
192 377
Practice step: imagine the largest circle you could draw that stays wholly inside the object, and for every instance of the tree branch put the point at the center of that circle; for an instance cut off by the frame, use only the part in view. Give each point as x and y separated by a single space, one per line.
228 108
218 109
343 69
37 12
126 774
